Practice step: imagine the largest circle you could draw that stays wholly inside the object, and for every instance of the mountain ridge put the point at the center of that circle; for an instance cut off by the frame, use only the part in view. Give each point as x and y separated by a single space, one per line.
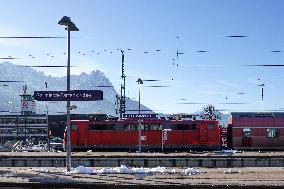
35 81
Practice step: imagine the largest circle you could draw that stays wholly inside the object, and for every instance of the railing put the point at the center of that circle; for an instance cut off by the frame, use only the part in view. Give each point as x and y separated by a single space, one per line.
16 146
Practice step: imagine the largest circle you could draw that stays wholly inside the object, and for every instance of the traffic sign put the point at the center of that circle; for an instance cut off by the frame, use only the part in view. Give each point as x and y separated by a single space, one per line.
73 95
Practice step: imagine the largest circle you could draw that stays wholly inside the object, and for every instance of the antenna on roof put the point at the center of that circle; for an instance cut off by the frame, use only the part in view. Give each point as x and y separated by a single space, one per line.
25 89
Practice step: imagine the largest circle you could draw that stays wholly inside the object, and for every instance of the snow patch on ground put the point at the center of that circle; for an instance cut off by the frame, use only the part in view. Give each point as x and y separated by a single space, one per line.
121 169
192 171
133 170
230 171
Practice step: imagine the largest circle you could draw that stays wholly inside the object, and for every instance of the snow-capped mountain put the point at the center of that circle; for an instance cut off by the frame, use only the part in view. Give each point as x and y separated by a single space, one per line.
10 91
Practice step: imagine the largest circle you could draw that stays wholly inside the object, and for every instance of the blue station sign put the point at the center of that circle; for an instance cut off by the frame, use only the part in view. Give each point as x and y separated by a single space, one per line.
73 95
137 116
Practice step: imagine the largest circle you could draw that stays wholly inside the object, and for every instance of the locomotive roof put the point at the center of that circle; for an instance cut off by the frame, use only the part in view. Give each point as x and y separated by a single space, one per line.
256 114
129 120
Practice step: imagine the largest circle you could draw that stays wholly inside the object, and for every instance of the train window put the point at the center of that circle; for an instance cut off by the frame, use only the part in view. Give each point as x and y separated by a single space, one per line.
272 133
246 132
210 126
101 127
151 127
184 126
264 115
109 127
130 127
245 116
156 127
74 127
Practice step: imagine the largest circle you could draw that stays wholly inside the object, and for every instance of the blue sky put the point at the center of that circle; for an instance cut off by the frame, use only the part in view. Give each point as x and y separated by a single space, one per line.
213 77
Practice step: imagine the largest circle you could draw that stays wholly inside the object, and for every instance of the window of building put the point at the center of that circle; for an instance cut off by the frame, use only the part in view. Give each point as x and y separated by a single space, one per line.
246 132
21 120
272 133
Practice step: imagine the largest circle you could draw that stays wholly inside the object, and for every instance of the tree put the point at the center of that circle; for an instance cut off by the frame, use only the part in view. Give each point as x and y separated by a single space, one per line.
210 113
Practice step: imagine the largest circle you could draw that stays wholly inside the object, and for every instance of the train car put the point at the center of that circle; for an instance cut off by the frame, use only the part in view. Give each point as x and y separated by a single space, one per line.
256 131
156 134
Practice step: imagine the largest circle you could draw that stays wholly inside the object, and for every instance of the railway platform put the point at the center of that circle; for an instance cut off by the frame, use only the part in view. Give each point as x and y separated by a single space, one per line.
195 170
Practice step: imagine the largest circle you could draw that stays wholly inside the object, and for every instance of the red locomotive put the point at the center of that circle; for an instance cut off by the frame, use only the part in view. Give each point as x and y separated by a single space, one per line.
156 134
246 131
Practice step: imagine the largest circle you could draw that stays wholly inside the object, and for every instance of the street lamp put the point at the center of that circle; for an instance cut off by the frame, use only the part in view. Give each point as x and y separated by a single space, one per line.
48 129
70 26
164 137
140 82
262 86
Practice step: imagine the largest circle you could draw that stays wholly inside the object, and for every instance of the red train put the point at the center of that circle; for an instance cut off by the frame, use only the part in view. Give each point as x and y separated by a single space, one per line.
256 130
246 131
156 134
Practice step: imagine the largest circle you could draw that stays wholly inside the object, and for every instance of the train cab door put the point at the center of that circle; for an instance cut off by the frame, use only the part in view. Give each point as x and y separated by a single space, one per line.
203 133
246 139
81 136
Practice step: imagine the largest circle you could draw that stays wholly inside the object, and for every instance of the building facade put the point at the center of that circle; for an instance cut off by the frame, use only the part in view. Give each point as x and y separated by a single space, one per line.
33 128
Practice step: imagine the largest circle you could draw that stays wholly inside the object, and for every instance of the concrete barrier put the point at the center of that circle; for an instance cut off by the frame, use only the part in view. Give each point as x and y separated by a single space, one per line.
209 162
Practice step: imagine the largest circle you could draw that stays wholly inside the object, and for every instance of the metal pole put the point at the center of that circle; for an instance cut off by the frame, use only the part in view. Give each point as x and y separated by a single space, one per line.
139 135
139 101
139 126
164 133
162 140
25 126
68 149
48 130
122 88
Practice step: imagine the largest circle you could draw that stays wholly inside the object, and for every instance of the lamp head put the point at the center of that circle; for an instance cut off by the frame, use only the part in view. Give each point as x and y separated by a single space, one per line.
72 27
139 81
65 21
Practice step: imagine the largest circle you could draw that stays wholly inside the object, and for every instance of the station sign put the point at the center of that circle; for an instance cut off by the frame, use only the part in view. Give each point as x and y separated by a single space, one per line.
73 95
137 116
